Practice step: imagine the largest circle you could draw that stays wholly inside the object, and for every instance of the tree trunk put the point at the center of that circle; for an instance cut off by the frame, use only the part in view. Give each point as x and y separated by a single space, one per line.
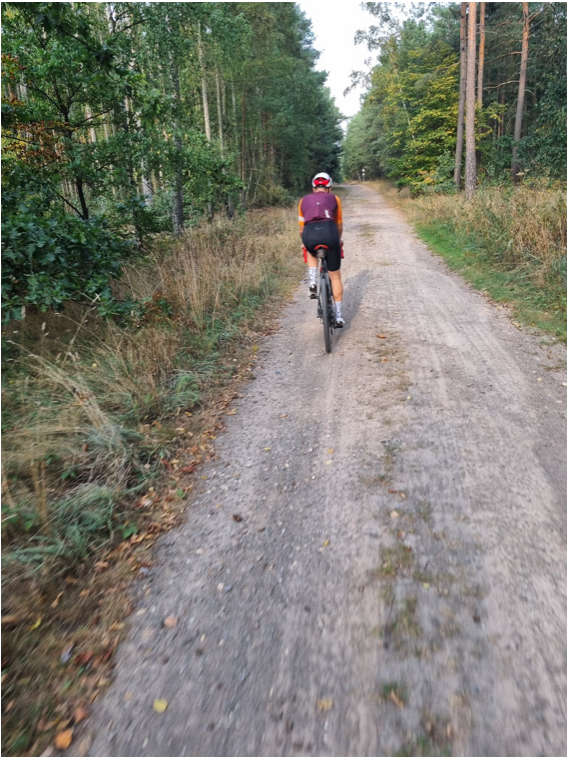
520 92
219 112
480 97
471 103
178 199
178 203
461 99
204 87
81 197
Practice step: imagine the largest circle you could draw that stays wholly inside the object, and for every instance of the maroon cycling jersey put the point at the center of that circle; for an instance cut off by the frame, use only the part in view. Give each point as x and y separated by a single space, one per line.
319 207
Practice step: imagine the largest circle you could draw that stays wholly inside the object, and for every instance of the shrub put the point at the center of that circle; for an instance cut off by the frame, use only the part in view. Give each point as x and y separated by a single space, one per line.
51 258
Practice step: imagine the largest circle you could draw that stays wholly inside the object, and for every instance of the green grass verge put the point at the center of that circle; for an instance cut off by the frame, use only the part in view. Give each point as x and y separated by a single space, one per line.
542 306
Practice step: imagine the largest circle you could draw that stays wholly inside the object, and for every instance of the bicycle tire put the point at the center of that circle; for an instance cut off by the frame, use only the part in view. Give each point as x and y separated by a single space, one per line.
325 297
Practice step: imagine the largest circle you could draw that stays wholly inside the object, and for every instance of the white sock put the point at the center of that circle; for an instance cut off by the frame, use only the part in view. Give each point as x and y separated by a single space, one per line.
312 275
338 307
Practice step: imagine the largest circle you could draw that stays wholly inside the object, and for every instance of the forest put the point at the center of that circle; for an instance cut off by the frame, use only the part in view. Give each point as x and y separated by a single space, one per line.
410 126
465 113
123 120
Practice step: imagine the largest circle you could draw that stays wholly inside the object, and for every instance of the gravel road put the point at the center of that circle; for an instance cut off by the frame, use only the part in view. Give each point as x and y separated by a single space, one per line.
397 582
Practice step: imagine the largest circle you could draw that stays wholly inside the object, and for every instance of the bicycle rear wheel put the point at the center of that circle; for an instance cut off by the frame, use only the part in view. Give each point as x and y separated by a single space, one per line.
324 300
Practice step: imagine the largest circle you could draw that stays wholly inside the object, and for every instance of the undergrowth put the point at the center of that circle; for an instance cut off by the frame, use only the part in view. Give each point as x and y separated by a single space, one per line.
85 400
509 241
96 415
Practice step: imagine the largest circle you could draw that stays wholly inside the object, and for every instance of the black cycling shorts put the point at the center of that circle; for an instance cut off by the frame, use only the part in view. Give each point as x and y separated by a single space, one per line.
324 233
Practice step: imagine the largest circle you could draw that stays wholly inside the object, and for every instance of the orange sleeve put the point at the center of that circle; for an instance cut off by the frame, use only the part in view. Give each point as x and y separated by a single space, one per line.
300 218
339 219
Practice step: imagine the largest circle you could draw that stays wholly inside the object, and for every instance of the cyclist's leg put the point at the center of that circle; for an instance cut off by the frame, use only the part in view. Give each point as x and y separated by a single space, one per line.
310 239
336 284
334 262
334 267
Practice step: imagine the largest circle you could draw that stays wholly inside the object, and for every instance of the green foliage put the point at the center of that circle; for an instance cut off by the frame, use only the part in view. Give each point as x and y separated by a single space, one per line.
406 129
52 258
410 111
151 117
81 525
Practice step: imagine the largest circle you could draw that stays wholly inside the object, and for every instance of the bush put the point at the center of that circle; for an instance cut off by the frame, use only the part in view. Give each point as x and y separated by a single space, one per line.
55 257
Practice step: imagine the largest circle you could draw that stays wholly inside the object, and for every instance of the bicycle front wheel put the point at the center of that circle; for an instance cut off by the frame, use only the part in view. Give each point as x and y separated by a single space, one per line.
324 299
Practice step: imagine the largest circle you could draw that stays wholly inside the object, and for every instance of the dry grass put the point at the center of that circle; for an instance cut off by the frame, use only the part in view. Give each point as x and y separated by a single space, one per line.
526 224
76 408
91 428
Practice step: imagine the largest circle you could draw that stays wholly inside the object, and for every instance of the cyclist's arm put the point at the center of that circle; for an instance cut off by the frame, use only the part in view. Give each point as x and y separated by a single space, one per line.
300 218
339 217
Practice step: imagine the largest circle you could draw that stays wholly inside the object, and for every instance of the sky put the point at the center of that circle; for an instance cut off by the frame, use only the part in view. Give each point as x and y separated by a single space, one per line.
334 25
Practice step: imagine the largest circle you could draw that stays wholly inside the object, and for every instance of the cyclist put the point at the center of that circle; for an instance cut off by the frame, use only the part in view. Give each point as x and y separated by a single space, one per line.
321 223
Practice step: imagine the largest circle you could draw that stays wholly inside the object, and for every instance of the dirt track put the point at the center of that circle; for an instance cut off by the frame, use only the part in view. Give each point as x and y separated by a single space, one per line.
398 580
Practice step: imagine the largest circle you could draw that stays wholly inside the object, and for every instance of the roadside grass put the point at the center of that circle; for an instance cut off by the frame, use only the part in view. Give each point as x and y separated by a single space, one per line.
103 427
510 242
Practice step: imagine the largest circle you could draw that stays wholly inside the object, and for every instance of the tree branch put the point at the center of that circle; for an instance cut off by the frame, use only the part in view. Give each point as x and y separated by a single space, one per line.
65 200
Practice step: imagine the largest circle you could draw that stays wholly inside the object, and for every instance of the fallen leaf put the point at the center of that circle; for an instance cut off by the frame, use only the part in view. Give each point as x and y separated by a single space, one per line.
63 739
160 705
381 336
283 416
394 698
37 624
55 602
267 448
170 621
231 412
330 451
237 518
394 514
326 542
323 705
80 713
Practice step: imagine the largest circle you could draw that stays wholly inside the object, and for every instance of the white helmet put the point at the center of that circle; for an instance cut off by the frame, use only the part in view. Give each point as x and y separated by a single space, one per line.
321 180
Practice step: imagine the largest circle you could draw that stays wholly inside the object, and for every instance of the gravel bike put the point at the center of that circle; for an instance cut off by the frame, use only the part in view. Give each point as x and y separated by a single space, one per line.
325 304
